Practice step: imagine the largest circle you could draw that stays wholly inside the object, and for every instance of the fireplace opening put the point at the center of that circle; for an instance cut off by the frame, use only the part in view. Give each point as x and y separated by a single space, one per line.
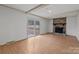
59 30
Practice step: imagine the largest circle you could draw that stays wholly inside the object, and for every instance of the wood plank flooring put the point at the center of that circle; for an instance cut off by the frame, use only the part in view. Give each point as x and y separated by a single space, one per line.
43 44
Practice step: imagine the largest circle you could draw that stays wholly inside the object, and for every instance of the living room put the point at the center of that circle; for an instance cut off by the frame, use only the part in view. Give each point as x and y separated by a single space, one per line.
30 21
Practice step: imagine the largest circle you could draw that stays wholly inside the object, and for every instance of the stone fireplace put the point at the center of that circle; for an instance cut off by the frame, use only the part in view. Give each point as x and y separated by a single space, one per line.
59 25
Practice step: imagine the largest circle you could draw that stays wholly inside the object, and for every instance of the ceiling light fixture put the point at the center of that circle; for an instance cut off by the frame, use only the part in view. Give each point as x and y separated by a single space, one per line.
49 11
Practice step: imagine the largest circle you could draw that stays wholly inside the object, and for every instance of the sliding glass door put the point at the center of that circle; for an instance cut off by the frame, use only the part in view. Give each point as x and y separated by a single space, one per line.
33 28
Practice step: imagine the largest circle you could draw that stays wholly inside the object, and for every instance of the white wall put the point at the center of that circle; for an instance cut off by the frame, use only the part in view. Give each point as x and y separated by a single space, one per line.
13 24
78 26
71 26
50 26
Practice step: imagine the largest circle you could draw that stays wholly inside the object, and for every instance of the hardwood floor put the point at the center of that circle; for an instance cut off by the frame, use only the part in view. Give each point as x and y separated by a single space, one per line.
53 44
18 47
48 43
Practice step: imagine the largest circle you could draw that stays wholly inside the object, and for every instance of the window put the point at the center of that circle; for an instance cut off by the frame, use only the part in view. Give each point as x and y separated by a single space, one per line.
30 22
33 28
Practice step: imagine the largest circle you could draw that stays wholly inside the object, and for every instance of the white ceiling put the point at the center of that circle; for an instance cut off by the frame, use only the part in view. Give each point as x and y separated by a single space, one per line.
23 7
47 11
